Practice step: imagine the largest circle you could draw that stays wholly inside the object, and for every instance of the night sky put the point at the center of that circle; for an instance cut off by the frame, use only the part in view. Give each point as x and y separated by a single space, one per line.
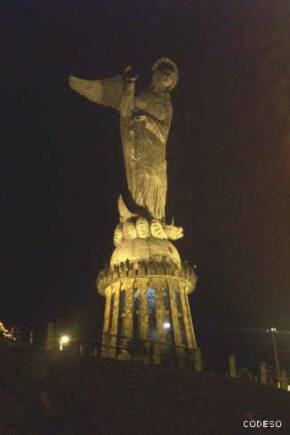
228 159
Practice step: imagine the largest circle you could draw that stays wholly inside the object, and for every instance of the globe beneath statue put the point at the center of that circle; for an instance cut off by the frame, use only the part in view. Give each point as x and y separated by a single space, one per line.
146 250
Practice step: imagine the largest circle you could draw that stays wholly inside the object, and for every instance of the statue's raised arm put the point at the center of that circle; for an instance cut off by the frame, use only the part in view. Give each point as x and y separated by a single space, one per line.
144 123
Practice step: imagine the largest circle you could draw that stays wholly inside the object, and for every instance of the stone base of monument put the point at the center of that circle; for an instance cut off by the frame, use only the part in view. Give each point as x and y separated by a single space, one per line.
147 314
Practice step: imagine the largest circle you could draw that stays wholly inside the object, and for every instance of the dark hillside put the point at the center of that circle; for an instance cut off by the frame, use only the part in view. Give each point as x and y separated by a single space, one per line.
60 393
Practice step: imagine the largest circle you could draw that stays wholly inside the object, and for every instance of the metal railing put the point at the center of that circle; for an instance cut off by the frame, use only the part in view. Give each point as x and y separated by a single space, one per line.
134 350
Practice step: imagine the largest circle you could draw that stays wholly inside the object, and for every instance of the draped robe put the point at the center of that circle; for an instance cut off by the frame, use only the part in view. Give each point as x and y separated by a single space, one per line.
144 123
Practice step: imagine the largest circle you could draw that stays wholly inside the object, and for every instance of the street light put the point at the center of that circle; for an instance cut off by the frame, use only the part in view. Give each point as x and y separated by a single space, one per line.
274 332
63 340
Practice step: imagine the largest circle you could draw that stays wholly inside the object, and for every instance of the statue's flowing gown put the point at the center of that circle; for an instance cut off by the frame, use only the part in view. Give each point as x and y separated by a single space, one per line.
150 122
144 132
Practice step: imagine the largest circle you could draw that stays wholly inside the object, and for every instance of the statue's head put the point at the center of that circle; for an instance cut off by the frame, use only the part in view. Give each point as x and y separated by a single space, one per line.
164 75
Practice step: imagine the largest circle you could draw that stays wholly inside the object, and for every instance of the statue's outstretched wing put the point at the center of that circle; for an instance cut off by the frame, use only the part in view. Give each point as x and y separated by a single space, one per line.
107 92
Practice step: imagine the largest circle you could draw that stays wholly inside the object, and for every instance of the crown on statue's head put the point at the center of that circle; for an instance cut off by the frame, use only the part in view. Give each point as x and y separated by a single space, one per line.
165 62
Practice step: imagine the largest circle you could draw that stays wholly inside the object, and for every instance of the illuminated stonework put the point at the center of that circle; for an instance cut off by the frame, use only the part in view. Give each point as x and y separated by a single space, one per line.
147 299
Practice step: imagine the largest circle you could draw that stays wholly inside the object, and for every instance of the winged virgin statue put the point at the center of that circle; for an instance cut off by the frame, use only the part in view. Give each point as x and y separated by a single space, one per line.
145 119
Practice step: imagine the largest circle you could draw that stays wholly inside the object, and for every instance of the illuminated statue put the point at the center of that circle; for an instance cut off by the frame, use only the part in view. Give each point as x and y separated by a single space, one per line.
146 284
144 123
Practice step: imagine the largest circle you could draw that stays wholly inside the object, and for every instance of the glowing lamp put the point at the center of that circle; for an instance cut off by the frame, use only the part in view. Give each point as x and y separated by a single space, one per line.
64 339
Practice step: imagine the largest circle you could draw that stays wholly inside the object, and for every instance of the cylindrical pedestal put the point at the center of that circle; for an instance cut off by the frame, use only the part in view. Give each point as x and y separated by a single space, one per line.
147 313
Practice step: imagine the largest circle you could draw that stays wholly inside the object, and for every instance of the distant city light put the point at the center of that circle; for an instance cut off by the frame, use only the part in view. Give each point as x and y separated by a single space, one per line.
166 325
6 333
64 339
273 330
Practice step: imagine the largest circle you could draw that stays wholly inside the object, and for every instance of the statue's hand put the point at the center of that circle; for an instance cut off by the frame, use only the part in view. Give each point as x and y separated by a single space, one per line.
141 119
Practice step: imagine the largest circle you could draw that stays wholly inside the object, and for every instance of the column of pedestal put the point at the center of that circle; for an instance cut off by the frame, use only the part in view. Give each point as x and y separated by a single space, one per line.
114 328
190 322
144 316
161 334
190 338
172 285
128 323
187 319
105 337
